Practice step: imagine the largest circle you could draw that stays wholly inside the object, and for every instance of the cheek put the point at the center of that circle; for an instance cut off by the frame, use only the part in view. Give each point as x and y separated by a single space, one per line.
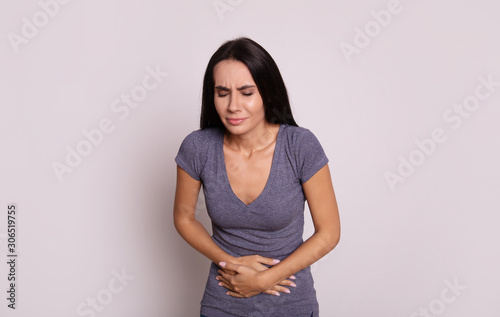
219 105
256 105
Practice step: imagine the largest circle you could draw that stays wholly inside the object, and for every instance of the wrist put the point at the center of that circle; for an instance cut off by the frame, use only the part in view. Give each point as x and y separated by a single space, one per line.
235 259
223 257
266 279
230 259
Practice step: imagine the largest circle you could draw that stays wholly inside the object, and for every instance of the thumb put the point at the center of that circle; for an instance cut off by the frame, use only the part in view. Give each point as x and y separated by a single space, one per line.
268 261
229 266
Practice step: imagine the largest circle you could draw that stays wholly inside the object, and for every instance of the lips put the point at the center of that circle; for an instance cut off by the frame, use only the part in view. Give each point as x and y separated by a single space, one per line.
236 121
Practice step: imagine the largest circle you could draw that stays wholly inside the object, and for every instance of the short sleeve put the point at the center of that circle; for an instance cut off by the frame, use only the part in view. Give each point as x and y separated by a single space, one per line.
311 156
188 156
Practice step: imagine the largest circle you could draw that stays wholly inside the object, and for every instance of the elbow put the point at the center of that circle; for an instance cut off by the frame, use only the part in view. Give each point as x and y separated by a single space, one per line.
177 220
181 220
336 236
177 225
331 239
335 241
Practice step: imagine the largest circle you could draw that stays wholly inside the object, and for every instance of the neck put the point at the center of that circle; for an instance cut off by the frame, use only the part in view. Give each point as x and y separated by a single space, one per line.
254 140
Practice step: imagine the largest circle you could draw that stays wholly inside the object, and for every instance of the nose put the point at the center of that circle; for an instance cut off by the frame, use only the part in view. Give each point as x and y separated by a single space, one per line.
234 102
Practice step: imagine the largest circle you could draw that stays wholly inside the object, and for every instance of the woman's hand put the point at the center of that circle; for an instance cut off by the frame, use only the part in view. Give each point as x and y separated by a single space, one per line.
243 279
256 262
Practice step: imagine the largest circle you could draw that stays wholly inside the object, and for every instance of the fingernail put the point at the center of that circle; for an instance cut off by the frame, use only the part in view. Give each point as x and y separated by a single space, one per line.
217 278
287 291
276 261
277 293
293 285
227 293
222 264
293 277
220 283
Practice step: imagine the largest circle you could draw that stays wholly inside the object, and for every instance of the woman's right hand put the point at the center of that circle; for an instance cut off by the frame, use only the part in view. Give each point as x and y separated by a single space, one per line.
257 263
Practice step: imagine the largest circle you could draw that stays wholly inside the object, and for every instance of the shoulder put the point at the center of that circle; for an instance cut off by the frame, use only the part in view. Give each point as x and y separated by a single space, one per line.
198 142
194 151
201 137
307 155
302 142
291 129
297 135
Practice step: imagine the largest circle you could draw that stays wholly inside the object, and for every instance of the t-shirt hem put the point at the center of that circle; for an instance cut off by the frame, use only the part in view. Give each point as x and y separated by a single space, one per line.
319 164
210 312
186 168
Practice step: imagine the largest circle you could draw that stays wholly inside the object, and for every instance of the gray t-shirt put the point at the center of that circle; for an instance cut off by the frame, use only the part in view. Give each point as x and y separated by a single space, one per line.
272 225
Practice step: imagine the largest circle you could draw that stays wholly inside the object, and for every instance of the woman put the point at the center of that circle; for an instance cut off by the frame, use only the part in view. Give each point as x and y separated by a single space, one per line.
257 167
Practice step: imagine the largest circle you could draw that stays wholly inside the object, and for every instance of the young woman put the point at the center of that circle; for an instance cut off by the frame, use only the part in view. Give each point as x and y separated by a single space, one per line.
257 167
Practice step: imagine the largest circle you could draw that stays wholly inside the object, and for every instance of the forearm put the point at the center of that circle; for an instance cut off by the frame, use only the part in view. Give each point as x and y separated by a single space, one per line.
313 249
198 237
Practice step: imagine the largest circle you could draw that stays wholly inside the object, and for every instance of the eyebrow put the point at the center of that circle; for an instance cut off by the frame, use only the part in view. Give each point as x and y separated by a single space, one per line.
241 88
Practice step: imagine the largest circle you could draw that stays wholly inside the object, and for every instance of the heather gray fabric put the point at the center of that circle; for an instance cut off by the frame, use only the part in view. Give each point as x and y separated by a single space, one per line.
272 225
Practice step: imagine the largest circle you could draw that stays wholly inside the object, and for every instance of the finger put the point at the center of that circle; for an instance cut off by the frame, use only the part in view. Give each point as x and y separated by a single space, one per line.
287 283
229 266
278 288
226 276
228 286
222 279
268 261
231 272
230 293
272 292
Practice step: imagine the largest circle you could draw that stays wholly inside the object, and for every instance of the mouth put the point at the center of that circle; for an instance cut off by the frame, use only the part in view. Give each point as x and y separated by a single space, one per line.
235 121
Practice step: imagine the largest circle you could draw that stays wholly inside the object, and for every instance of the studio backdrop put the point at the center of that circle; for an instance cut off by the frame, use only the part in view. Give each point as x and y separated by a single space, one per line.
97 96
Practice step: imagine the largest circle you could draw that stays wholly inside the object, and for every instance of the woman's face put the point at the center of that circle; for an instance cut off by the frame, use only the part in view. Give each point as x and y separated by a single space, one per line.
237 98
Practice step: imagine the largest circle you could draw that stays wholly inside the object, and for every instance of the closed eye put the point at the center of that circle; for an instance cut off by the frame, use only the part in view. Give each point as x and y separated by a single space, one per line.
221 94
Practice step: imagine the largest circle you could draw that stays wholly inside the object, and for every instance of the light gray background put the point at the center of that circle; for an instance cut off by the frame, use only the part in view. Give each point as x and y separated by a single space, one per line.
113 212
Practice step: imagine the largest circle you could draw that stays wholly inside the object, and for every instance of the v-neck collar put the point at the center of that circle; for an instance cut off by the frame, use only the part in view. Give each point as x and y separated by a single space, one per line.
271 172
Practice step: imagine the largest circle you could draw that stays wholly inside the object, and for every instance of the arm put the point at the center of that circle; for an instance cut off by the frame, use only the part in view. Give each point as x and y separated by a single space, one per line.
191 230
324 211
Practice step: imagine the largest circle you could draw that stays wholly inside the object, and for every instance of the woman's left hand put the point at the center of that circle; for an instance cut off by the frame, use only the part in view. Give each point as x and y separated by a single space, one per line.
246 282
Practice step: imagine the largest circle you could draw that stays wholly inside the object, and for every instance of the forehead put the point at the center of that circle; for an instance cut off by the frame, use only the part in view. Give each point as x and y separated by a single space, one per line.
232 72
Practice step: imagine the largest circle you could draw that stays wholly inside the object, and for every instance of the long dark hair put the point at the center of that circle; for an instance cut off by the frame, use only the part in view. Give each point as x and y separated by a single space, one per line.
265 73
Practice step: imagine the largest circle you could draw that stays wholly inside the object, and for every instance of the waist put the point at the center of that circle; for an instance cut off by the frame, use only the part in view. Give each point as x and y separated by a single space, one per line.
272 248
